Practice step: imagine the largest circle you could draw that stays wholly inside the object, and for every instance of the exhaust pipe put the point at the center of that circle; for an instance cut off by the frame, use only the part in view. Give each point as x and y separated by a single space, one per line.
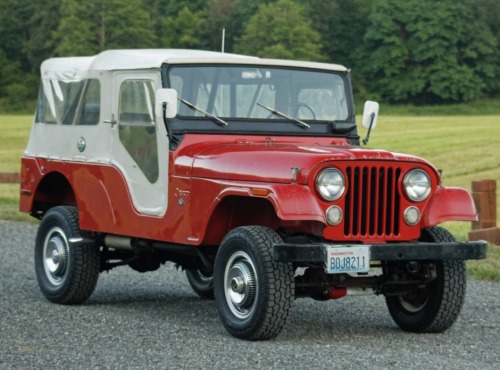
118 242
126 243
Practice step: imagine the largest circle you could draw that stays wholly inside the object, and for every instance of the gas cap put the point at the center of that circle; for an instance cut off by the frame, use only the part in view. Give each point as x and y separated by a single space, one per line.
80 144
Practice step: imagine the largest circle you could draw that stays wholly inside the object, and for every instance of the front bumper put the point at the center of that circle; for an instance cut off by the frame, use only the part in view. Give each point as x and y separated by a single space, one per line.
316 253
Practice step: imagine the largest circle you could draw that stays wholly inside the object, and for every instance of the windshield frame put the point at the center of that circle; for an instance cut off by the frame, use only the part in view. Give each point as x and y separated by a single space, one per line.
275 125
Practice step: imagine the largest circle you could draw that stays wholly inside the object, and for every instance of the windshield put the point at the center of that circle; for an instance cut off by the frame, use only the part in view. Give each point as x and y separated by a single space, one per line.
249 92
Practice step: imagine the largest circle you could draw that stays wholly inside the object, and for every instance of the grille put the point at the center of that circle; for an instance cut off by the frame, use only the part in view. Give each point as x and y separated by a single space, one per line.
372 201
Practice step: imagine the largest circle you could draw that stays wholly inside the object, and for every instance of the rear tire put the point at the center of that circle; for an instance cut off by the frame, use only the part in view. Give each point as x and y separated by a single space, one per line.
435 307
66 272
253 293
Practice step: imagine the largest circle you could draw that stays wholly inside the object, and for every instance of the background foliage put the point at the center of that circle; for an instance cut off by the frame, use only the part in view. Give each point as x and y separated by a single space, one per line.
400 51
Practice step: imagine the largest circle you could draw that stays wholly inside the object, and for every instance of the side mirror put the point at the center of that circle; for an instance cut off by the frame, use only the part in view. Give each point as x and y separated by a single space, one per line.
169 98
370 114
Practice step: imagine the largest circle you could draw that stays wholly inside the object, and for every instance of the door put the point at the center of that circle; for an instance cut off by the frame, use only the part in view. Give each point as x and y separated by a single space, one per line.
140 144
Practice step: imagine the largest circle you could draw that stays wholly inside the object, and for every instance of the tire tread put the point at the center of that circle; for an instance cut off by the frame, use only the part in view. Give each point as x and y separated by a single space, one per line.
279 294
447 297
83 279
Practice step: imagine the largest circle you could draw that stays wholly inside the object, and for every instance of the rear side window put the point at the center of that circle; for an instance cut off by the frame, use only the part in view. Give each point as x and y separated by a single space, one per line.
69 102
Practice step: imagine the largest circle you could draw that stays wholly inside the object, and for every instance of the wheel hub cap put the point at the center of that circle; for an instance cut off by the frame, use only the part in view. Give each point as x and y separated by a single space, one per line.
240 285
416 302
55 256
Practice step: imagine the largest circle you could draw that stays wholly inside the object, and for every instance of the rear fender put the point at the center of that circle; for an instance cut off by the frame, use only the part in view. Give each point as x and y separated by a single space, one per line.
47 183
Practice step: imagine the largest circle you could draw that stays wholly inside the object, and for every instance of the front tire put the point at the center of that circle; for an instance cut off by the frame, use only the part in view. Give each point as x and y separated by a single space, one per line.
66 272
435 307
253 293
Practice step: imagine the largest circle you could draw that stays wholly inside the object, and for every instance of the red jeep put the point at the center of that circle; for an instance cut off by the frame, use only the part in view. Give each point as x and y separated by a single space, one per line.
246 172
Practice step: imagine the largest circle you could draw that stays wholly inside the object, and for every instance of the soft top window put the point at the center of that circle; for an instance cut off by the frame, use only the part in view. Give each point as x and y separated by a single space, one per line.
68 102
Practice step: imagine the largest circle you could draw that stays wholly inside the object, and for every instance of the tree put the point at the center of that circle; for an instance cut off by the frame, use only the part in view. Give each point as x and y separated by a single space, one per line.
231 15
161 10
428 52
75 32
13 14
39 44
9 73
280 30
181 31
16 72
95 25
342 26
487 12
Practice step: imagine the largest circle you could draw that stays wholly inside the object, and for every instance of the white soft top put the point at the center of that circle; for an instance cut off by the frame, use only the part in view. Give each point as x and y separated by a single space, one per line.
76 67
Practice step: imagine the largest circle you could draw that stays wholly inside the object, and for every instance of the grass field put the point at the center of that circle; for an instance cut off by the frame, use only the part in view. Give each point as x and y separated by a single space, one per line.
465 148
14 133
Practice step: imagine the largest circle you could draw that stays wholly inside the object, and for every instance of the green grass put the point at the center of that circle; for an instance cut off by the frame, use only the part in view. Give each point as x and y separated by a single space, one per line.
14 133
488 269
475 108
466 148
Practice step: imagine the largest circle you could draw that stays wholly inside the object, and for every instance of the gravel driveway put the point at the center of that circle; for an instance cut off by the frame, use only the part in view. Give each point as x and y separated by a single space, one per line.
155 321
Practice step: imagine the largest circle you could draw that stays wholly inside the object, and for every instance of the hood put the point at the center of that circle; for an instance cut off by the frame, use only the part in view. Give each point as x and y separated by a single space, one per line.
272 161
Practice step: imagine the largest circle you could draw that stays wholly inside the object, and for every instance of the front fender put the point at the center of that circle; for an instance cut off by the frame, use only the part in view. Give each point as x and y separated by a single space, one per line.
449 204
296 202
291 202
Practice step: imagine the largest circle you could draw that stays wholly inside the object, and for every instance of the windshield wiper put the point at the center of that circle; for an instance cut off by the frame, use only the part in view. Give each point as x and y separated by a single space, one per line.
219 121
281 114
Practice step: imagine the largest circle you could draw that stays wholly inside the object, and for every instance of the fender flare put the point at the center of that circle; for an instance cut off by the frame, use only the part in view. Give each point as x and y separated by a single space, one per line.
291 202
449 204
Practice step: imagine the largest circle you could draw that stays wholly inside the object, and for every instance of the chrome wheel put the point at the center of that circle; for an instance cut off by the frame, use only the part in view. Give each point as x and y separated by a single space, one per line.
415 303
240 285
66 271
55 256
253 293
434 306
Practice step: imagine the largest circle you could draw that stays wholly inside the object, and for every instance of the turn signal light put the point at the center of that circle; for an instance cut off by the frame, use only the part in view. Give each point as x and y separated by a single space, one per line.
260 192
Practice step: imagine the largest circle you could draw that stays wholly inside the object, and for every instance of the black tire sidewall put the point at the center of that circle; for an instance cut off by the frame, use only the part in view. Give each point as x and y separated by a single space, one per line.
416 321
275 291
83 263
233 244
53 218
445 294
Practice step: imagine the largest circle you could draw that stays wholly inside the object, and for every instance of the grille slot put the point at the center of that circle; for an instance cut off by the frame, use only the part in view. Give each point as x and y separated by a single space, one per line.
372 201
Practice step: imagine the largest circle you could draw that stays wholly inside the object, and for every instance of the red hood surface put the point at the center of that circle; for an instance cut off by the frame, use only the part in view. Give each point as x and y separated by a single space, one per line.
272 160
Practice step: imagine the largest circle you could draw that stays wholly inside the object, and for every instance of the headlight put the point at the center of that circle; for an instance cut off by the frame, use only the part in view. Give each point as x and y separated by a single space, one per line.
330 184
417 185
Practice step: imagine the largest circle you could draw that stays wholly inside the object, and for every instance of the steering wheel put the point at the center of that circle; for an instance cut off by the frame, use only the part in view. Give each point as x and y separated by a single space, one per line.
298 105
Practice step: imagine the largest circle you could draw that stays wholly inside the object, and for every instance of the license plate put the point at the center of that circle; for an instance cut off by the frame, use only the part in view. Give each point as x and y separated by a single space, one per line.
346 259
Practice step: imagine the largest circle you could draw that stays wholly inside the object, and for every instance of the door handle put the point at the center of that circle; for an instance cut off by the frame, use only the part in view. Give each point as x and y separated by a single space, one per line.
111 121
